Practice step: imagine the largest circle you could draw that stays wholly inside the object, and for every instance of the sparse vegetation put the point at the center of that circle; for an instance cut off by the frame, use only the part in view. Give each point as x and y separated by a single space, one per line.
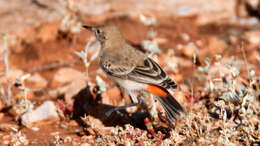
51 69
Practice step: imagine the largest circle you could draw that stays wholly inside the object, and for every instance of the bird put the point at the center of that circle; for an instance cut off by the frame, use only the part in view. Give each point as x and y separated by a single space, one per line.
133 70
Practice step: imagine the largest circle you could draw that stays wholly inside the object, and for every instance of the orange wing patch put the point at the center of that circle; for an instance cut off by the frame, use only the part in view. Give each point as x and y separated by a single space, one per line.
156 90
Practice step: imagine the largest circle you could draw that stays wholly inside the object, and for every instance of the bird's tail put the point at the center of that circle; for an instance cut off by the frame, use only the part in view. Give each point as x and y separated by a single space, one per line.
173 109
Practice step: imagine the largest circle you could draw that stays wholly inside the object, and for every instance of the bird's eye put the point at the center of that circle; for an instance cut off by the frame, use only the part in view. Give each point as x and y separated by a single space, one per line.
98 31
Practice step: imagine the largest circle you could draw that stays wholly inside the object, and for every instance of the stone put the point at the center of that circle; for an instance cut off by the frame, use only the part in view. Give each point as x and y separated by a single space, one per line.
72 89
189 50
216 45
36 81
8 127
1 116
6 139
253 37
67 75
73 123
85 144
48 32
2 105
253 57
96 125
13 74
45 111
69 90
111 95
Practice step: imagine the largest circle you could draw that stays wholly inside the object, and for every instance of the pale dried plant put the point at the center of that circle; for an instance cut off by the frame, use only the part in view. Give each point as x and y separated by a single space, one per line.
224 81
90 46
57 140
24 103
17 138
6 94
94 47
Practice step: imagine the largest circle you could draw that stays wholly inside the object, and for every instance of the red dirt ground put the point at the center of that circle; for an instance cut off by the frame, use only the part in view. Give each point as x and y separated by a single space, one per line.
45 49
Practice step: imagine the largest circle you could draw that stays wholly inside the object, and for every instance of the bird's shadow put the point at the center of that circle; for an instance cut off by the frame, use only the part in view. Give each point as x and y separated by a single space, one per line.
86 104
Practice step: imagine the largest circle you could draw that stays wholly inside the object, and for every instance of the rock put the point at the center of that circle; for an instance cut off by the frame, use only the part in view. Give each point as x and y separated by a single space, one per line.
67 75
183 63
254 55
189 50
2 105
85 144
71 80
233 39
36 81
8 127
96 125
216 45
69 90
45 111
253 37
13 74
73 123
6 139
53 93
1 116
73 88
111 95
48 32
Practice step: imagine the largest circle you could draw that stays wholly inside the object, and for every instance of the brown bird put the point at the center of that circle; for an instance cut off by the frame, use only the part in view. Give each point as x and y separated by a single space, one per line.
133 70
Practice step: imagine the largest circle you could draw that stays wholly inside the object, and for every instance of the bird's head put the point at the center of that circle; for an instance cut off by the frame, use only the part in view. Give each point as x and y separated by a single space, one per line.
105 33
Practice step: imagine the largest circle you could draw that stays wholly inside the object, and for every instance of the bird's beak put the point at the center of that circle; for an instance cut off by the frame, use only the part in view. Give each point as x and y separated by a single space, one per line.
88 27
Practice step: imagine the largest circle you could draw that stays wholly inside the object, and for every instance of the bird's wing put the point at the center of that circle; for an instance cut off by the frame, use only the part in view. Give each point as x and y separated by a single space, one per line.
121 62
117 68
151 73
137 67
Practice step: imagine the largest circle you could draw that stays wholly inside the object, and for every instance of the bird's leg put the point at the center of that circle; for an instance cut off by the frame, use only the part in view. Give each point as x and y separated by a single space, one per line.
135 103
152 109
133 97
108 113
148 98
